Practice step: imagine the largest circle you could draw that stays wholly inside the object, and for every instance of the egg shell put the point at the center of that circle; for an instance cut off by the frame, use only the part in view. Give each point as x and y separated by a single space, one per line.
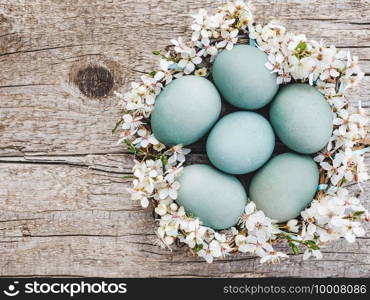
285 186
242 78
240 142
302 118
217 199
185 110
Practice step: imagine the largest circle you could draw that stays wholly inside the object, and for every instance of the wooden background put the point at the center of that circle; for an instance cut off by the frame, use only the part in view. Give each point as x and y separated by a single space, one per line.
64 209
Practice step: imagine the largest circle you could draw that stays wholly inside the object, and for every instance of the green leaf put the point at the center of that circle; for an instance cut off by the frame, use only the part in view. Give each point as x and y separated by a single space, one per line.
312 245
315 247
198 247
128 177
358 213
130 146
310 242
152 73
164 159
156 52
294 248
116 126
302 46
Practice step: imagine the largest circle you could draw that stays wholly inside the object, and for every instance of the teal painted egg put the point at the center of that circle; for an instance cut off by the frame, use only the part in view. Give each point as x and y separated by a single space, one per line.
185 110
217 199
285 186
301 118
240 142
242 78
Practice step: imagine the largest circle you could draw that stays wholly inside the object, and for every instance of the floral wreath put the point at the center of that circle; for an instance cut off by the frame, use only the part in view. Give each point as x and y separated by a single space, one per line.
334 212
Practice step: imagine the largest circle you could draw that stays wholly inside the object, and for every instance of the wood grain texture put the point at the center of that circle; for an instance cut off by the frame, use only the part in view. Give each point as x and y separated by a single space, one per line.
64 208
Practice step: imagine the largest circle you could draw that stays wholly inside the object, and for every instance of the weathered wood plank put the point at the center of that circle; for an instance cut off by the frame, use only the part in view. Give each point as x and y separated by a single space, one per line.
77 221
135 256
44 44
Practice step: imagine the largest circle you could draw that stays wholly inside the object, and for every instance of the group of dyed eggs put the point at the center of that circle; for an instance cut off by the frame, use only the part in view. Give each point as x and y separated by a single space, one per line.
242 142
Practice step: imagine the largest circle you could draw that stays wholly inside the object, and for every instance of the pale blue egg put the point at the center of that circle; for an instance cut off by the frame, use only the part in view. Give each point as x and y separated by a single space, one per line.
285 186
242 78
240 142
217 199
185 110
302 118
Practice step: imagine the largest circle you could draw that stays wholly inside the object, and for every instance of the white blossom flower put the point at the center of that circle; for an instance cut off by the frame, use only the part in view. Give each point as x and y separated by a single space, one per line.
172 172
309 216
179 45
324 154
133 101
301 68
260 225
229 39
208 252
253 244
189 224
208 48
171 229
177 153
352 74
224 23
189 58
241 242
349 201
328 89
202 72
340 140
147 169
152 87
200 25
131 123
169 189
169 240
327 209
138 194
333 69
248 210
352 230
315 253
323 55
274 62
165 74
357 124
295 43
145 138
161 209
255 33
273 257
283 76
292 225
196 237
352 66
216 21
336 170
344 121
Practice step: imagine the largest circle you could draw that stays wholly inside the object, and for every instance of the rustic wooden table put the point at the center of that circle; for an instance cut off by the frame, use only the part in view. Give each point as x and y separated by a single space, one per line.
64 208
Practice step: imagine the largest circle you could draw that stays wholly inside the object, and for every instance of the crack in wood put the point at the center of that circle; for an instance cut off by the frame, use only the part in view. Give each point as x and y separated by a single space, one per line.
24 85
43 49
63 163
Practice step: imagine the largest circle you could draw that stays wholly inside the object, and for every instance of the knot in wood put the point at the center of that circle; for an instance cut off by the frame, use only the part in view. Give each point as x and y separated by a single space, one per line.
94 81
